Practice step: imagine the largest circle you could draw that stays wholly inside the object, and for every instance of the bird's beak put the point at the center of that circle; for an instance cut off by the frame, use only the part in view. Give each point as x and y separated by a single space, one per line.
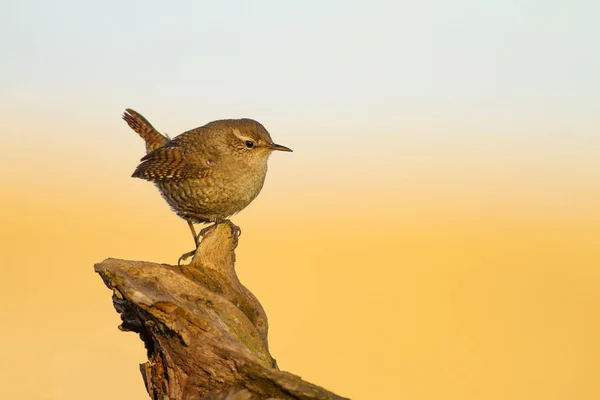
280 147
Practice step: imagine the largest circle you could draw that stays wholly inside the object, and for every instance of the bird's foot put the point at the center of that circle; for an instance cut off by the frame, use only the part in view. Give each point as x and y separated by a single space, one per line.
234 228
186 256
235 232
204 231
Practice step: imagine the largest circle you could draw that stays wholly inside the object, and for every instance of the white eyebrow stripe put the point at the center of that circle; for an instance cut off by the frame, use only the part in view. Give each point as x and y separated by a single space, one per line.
237 133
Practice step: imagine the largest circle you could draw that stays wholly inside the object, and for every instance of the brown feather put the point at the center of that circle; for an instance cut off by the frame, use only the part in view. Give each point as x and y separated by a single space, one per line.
153 138
170 162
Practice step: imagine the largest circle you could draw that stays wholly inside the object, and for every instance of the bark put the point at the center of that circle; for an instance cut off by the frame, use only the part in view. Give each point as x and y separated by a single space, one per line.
205 333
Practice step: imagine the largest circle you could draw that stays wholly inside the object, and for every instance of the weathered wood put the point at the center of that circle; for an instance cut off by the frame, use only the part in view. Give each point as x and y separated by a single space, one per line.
205 333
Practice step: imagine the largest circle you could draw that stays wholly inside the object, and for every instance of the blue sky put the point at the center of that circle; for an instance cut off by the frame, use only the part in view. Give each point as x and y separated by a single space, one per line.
341 56
460 74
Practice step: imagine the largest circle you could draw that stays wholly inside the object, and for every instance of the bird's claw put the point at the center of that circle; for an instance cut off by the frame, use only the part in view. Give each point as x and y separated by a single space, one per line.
236 231
234 228
186 256
204 231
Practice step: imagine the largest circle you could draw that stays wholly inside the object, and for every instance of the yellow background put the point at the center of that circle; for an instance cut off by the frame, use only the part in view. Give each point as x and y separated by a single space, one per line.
430 247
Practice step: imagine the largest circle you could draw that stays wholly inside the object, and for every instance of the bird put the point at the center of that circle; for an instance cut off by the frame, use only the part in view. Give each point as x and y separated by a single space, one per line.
206 174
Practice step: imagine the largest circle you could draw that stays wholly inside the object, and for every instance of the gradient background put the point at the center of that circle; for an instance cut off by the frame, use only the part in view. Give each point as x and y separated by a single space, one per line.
435 234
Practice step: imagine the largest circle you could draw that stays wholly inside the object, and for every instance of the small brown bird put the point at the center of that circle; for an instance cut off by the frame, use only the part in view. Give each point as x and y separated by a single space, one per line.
209 173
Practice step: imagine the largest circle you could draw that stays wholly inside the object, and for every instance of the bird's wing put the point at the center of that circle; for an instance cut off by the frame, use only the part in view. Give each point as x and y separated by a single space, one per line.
172 162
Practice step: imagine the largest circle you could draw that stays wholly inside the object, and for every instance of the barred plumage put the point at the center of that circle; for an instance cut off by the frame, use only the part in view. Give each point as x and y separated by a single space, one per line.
153 138
208 173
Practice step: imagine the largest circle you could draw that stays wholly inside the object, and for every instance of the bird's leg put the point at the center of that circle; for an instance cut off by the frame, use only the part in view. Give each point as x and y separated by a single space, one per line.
234 228
196 242
196 237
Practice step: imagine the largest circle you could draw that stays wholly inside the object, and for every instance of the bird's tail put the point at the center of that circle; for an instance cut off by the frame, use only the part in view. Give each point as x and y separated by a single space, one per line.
153 138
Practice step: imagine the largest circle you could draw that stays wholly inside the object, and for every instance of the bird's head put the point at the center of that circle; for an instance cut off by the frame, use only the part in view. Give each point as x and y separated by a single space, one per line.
248 136
249 140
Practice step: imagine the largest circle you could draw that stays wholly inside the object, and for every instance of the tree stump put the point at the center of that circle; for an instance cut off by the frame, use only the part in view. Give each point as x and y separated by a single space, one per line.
205 333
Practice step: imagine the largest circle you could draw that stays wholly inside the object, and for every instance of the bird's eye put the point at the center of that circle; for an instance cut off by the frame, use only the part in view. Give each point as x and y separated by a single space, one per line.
249 144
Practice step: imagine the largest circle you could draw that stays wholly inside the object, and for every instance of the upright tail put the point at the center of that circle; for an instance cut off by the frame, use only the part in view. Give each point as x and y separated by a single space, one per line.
153 138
